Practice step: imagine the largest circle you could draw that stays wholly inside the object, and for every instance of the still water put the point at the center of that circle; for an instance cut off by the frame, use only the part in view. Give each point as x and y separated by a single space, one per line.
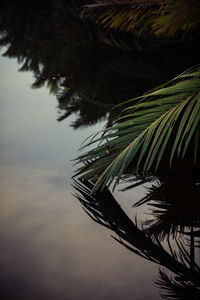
57 241
50 248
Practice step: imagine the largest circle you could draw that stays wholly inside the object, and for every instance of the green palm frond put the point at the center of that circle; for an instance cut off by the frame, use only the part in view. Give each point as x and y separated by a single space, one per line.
163 122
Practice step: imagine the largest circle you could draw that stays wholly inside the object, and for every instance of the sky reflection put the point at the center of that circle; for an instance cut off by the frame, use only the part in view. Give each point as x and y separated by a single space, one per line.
50 249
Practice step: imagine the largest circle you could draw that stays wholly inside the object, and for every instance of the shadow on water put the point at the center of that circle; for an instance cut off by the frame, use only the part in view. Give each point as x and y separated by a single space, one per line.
170 240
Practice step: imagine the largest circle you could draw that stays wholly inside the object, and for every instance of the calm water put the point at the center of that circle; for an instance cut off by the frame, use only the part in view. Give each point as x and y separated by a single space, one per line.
50 247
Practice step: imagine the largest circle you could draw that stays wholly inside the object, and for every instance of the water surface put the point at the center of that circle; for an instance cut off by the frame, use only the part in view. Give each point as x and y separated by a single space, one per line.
50 249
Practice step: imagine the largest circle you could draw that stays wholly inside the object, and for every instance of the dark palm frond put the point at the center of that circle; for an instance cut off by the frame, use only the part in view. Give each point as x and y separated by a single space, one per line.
104 209
135 181
177 16
122 15
175 210
160 17
174 289
165 120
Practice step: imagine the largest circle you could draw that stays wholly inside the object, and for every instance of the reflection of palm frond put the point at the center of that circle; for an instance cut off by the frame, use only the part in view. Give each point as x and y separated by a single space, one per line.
168 117
173 213
135 181
174 289
103 209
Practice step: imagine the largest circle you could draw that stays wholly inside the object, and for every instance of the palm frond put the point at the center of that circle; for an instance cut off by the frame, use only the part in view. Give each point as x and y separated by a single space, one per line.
177 15
104 210
160 17
122 15
165 120
174 289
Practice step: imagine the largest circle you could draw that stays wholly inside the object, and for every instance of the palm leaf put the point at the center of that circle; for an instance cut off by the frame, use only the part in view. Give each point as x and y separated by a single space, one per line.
177 15
173 289
122 15
160 17
162 122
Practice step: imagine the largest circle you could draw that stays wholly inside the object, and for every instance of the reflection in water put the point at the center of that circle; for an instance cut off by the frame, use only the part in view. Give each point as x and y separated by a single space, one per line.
49 246
87 75
184 283
174 212
89 71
